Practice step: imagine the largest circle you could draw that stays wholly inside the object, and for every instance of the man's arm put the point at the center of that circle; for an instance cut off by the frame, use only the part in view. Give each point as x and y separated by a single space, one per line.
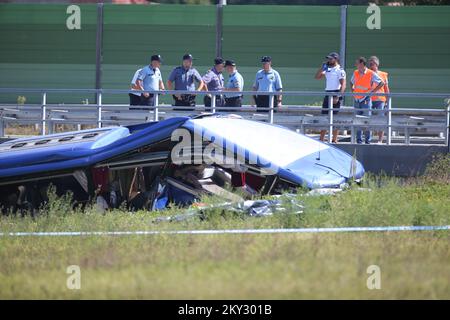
386 86
279 88
378 87
376 78
255 87
202 86
201 82
139 85
320 72
343 83
161 85
279 98
140 82
387 90
253 98
205 79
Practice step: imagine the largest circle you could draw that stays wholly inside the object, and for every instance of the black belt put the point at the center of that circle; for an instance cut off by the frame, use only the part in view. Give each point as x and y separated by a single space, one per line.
238 97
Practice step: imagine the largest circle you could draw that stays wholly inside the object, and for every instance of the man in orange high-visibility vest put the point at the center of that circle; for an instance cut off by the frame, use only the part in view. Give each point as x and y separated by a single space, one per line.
379 102
364 81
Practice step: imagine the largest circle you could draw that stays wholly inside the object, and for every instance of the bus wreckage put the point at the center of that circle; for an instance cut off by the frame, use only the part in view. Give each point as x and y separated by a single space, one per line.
174 161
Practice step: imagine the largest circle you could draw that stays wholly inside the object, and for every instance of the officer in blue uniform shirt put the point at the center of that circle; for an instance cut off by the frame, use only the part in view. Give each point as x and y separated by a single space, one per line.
150 78
214 81
235 84
267 80
184 78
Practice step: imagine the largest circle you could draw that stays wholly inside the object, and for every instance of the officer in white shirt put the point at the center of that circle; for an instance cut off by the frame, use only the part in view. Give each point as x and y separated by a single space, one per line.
135 97
335 82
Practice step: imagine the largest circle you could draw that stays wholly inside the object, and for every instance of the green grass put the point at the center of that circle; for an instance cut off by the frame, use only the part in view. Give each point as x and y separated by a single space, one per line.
384 202
291 266
414 265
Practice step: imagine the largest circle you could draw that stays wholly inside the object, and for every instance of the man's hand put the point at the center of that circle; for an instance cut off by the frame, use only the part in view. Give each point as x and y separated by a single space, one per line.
279 104
146 94
178 96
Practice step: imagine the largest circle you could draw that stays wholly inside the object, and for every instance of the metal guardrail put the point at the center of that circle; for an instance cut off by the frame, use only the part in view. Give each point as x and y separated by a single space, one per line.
438 120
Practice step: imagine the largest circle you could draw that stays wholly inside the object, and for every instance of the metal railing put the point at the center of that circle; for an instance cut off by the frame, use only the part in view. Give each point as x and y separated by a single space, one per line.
434 120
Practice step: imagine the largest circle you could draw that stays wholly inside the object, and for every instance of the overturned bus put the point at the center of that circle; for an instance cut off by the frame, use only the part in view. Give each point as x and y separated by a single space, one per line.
150 165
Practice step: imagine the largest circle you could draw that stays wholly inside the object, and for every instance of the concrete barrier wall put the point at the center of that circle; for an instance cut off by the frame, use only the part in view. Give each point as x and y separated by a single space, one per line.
403 161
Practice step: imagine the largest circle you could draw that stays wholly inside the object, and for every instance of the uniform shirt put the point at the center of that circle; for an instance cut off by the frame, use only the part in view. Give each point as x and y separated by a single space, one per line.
133 81
333 75
150 78
268 81
184 79
235 81
214 80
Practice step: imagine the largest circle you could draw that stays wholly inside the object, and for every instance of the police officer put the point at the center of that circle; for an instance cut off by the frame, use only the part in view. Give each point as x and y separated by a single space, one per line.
335 82
235 84
214 81
184 78
150 78
267 80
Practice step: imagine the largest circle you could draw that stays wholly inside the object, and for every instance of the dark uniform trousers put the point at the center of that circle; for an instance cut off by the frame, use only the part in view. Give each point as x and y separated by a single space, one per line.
235 102
135 100
263 103
141 101
219 102
187 100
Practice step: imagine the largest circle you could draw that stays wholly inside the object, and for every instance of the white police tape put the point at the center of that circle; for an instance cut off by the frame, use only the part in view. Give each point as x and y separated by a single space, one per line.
224 231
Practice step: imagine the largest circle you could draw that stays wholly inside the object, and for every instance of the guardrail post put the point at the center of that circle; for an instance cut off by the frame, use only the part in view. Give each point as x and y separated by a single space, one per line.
44 113
407 137
155 110
343 44
271 109
330 113
213 103
447 129
99 109
389 122
99 47
51 127
2 125
219 26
